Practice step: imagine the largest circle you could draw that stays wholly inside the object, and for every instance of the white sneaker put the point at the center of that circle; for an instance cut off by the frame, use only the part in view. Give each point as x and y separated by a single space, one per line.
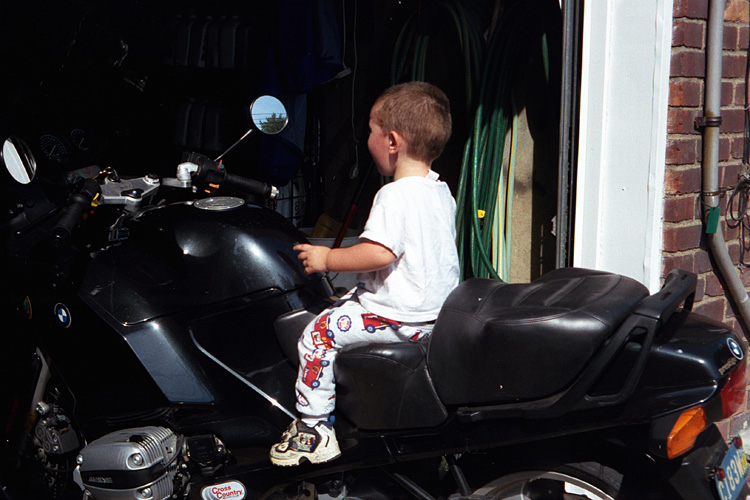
299 442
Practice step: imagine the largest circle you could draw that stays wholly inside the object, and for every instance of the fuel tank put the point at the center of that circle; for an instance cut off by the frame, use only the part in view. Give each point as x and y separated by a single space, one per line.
181 256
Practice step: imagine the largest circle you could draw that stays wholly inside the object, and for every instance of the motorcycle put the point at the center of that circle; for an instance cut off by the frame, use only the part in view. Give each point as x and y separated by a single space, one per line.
151 354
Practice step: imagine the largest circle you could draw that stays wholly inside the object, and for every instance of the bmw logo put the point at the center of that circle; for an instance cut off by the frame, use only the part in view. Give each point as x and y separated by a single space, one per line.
734 346
62 314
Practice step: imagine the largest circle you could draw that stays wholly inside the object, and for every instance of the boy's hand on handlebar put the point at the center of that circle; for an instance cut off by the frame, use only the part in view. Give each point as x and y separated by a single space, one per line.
312 257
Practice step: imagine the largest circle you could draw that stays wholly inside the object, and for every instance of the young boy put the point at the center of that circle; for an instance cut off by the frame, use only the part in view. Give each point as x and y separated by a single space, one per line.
406 258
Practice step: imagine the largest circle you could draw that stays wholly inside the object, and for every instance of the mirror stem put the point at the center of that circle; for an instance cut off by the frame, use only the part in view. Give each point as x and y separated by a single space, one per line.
249 131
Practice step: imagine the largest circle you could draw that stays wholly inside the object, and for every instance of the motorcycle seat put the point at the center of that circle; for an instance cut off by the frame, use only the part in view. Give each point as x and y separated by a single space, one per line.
371 374
496 342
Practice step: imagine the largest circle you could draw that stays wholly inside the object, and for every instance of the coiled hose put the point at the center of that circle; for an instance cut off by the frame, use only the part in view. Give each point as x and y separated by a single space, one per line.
485 193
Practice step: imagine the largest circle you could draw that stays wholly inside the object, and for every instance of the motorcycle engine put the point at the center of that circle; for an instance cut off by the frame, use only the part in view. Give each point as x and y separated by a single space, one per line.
133 464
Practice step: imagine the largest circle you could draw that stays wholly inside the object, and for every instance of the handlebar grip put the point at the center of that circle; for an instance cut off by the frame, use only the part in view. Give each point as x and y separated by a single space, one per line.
78 204
63 230
250 186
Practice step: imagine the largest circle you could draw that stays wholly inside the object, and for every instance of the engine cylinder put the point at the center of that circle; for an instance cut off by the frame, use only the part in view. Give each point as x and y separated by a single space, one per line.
132 464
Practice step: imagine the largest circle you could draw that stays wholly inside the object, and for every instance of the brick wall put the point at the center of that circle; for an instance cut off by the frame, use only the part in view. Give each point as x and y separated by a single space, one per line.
684 242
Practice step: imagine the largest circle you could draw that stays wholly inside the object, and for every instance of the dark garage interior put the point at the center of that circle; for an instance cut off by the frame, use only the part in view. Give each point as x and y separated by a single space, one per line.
133 85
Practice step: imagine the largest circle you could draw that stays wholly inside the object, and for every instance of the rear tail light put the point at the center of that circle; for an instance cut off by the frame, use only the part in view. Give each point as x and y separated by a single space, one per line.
733 392
685 431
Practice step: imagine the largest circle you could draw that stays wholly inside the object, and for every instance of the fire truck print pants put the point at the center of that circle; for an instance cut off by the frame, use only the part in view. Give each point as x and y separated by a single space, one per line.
344 323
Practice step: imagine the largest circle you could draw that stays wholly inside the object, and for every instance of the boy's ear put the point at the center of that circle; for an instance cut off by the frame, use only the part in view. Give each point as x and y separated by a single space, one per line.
395 141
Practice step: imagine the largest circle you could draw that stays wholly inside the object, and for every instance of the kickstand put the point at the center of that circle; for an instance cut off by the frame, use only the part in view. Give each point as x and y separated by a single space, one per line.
410 486
458 476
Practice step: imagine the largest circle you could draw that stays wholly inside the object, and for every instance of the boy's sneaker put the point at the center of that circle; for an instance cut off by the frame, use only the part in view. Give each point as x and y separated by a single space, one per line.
316 444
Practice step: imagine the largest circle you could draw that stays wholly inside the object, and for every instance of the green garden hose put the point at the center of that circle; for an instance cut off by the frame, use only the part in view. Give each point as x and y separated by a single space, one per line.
485 192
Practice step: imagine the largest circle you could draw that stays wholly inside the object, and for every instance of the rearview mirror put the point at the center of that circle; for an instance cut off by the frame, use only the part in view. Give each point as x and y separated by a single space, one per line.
18 160
269 115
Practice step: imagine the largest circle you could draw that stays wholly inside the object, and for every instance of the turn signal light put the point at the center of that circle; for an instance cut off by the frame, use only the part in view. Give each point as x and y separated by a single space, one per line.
685 431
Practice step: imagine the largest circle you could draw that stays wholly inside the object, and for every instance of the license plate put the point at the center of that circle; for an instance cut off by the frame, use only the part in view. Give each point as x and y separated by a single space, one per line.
735 473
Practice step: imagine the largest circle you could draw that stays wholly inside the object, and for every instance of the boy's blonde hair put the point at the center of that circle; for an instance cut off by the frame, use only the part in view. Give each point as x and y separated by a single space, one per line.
420 112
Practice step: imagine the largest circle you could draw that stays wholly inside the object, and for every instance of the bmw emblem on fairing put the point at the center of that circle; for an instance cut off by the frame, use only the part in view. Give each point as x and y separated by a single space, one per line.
734 346
62 314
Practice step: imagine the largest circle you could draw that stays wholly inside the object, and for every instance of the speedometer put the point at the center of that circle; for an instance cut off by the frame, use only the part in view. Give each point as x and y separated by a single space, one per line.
80 139
54 148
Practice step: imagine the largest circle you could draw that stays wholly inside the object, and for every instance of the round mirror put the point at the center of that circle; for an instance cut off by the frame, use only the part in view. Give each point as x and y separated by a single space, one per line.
17 158
268 114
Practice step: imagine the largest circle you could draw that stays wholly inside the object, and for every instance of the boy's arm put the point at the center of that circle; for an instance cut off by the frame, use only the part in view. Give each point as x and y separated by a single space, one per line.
362 257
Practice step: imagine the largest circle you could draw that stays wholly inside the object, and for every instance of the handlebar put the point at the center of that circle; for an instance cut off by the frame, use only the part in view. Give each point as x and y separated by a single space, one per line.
208 171
79 202
250 186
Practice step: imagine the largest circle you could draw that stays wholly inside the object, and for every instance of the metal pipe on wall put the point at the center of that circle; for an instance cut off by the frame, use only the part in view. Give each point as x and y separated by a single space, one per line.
711 194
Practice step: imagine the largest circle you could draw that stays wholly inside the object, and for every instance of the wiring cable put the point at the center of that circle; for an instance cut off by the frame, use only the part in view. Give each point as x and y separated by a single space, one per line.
737 204
737 215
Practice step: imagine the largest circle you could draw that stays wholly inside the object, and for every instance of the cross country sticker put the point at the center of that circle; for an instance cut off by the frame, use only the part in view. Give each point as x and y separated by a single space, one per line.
734 346
231 490
62 314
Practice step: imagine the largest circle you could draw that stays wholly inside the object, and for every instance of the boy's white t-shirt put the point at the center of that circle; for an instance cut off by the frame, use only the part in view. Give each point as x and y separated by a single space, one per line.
415 218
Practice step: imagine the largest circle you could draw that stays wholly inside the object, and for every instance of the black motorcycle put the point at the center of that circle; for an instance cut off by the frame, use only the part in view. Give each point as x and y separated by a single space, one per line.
151 354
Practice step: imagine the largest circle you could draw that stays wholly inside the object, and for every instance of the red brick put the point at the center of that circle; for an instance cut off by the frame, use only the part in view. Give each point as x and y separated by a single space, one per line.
682 121
681 238
736 10
733 66
679 209
744 37
731 234
728 175
733 324
737 148
729 94
682 181
731 37
733 247
682 151
694 9
688 34
732 120
702 262
685 93
688 64
713 286
713 308
684 261
700 289
724 148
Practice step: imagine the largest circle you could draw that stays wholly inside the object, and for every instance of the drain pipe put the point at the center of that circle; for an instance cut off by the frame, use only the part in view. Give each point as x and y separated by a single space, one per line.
711 194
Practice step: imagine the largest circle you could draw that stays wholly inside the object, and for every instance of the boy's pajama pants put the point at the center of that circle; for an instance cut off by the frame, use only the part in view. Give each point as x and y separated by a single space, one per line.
344 323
